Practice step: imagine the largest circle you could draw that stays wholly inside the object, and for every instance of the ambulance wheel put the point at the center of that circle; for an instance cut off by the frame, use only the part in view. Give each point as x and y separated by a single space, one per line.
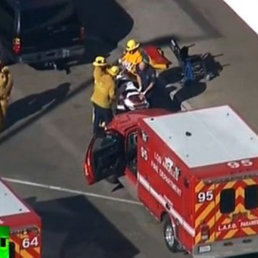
169 235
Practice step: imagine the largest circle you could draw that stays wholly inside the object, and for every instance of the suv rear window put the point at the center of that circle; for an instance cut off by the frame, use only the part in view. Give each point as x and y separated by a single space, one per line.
251 197
227 200
46 16
7 17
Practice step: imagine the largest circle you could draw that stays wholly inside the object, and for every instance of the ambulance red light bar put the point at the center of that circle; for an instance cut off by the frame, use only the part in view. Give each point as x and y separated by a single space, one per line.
25 230
238 176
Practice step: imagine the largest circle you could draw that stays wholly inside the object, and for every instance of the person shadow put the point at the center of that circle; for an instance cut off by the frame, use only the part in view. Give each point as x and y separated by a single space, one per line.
35 103
170 94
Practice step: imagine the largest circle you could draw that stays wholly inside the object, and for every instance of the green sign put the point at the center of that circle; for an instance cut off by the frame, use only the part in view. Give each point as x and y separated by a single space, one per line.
4 242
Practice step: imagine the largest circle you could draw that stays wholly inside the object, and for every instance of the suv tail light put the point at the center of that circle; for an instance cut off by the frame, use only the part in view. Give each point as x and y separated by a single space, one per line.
17 45
205 232
82 34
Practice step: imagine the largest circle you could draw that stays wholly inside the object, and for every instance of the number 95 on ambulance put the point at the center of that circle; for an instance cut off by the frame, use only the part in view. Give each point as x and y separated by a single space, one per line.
20 226
202 167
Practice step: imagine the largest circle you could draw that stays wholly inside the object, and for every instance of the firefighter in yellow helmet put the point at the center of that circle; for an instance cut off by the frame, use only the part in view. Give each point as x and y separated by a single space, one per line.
133 55
6 84
103 92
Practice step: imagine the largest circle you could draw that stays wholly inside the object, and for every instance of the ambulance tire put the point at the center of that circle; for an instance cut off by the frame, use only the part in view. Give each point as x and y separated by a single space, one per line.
169 235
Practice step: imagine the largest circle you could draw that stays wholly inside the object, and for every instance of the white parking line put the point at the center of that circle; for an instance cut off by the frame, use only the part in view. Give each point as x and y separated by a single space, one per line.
66 190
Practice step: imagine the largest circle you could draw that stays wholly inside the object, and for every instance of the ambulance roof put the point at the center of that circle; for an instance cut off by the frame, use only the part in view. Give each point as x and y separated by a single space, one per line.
206 136
9 203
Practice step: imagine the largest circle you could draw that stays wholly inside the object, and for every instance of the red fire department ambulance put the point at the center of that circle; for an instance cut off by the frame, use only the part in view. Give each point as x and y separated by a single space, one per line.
24 224
197 171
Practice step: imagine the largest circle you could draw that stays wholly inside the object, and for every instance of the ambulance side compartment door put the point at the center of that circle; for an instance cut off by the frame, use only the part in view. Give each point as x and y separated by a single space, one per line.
104 157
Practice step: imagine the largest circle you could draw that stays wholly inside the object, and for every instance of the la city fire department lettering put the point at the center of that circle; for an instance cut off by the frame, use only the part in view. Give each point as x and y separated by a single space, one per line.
158 165
205 196
239 224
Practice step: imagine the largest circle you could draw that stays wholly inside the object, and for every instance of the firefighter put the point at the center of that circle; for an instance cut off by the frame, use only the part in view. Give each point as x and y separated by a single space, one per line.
103 92
146 78
6 84
133 55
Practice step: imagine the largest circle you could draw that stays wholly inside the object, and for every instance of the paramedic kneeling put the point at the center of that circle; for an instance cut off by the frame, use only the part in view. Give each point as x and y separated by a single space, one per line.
146 78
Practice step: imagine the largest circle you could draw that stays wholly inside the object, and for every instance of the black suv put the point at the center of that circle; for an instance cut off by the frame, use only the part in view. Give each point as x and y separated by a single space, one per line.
39 31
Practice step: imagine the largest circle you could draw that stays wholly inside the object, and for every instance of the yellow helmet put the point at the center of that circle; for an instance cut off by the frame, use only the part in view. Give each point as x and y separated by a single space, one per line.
132 44
100 61
5 70
113 70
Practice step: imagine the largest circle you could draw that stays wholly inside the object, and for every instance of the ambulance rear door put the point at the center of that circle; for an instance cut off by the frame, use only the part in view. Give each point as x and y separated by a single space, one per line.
236 208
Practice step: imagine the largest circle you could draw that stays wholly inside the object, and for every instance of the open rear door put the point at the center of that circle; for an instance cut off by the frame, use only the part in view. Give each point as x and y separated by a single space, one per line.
104 157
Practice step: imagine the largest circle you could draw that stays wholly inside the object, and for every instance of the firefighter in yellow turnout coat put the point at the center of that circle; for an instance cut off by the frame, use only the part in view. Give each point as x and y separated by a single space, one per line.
103 92
6 84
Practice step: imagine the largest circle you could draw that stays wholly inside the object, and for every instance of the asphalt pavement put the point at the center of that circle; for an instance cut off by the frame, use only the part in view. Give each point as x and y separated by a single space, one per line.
49 122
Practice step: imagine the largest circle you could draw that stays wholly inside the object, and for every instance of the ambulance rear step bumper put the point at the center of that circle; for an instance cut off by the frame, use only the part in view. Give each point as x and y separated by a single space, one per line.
227 248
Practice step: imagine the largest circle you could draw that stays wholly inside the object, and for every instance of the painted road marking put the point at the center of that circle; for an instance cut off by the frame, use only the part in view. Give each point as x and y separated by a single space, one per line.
67 190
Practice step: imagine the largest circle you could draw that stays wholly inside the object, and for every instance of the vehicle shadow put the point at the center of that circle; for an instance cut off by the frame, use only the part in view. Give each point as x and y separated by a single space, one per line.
73 227
106 23
34 103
